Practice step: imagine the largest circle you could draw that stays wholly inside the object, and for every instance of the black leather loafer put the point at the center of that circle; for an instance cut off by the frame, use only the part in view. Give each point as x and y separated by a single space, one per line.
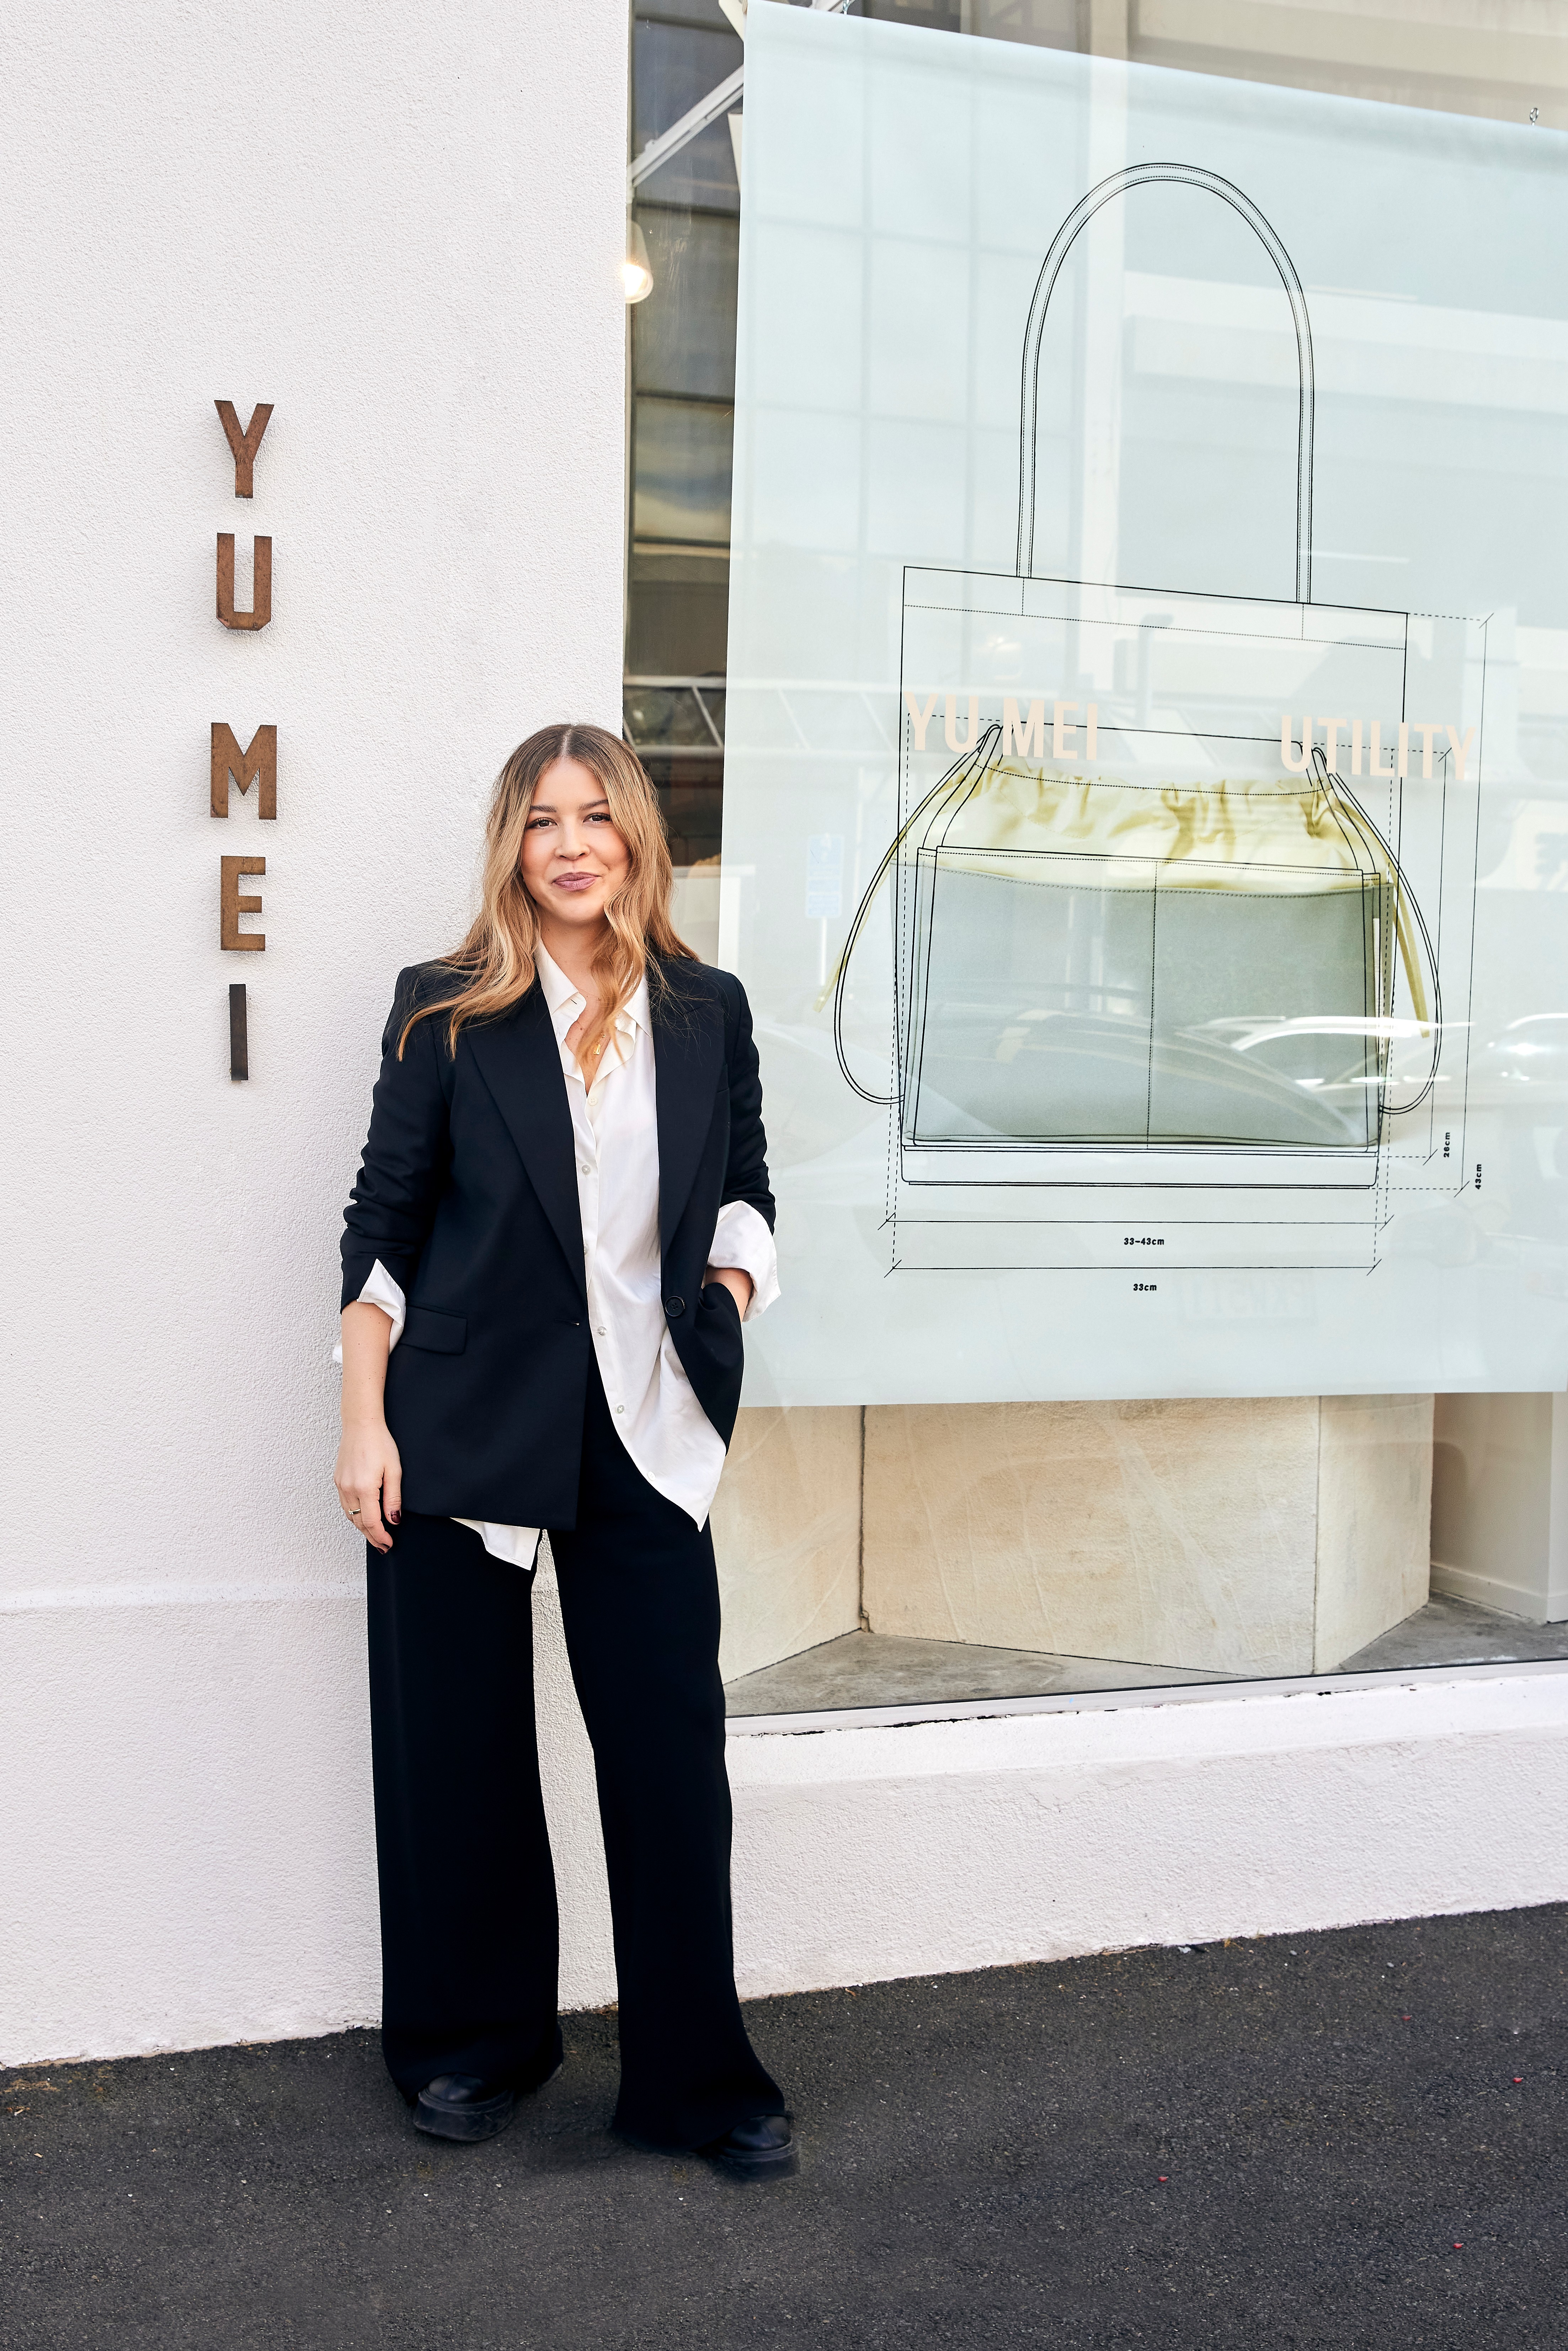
459 2106
759 2149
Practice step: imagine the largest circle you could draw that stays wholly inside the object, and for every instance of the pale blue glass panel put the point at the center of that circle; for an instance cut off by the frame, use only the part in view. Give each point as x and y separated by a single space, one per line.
1332 1069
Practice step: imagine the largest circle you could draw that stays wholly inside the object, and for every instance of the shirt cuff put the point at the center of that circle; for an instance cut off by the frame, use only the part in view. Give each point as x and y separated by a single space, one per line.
742 1243
381 1290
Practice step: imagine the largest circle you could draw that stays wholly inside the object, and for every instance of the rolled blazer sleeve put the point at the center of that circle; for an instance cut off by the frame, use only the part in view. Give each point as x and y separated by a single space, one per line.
743 1242
746 1178
392 1203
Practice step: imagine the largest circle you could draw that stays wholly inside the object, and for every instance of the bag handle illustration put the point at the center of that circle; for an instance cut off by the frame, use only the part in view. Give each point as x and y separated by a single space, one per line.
1186 175
956 777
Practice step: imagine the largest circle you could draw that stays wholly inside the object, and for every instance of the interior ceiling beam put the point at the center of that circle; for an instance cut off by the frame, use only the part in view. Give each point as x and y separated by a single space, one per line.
681 134
698 118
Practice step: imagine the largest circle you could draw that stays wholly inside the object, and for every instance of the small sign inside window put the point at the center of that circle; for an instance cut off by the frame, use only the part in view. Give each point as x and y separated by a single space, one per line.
824 876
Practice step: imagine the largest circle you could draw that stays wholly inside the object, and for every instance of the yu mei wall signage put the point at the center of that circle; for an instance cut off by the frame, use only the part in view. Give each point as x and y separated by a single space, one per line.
256 763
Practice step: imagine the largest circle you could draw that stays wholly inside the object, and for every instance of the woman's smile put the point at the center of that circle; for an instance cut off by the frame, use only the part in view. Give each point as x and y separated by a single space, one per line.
571 849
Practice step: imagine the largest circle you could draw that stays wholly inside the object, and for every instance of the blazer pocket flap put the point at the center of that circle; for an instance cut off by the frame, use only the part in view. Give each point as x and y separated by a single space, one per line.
440 1334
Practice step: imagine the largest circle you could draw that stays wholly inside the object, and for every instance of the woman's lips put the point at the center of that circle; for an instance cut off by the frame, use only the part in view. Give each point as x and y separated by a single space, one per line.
575 881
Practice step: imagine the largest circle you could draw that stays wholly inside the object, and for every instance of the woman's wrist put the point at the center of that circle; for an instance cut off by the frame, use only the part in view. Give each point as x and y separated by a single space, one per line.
736 1280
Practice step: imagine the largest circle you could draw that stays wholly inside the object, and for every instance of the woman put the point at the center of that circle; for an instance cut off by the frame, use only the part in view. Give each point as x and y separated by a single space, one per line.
561 1221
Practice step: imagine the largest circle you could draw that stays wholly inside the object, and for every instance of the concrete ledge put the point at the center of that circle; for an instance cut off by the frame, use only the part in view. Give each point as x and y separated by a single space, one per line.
204 1869
1112 1698
868 1853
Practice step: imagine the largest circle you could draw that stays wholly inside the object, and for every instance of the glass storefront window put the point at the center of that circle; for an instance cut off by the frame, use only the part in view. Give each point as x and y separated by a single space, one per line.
1140 811
681 429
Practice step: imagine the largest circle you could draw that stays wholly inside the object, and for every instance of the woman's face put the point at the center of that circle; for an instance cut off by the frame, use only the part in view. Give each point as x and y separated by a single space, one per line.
573 858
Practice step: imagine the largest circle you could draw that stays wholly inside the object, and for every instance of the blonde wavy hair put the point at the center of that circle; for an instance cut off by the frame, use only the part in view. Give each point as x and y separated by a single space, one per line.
496 963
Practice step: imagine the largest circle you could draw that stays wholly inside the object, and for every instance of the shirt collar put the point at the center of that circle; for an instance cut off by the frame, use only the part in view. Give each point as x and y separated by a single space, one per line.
565 1001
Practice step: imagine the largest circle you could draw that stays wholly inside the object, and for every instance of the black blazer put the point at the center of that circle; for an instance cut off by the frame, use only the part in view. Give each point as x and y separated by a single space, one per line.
467 1193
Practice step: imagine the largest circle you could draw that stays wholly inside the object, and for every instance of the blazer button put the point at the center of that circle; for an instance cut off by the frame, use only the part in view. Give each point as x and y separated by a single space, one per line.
674 1308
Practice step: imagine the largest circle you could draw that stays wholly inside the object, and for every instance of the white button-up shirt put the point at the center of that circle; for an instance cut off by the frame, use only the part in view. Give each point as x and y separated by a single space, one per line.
615 1139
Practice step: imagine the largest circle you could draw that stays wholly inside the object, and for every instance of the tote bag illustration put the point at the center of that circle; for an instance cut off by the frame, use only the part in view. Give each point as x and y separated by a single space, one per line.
1147 955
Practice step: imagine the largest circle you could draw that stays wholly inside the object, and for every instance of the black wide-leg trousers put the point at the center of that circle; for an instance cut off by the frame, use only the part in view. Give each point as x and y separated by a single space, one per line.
469 1928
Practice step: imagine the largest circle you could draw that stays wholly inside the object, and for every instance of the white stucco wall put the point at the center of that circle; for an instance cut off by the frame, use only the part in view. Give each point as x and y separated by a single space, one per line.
403 228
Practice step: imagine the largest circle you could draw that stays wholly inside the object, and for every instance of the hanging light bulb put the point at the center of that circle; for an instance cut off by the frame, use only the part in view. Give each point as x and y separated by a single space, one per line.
636 270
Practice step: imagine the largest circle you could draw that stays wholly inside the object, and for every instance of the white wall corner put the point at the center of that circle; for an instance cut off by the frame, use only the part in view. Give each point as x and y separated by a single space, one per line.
1499 1503
1374 1519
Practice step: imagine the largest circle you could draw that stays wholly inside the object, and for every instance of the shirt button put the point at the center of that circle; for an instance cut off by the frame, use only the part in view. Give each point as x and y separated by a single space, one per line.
620 1408
599 1328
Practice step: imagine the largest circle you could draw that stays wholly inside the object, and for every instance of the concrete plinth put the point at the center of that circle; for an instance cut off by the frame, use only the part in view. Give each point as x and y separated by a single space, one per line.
1263 1536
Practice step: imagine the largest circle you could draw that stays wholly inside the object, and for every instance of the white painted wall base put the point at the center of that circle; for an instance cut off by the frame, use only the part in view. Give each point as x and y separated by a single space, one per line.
204 1868
1510 1598
870 1853
205 1872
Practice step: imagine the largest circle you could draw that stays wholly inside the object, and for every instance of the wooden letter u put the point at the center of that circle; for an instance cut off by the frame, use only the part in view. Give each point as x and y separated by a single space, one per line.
261 592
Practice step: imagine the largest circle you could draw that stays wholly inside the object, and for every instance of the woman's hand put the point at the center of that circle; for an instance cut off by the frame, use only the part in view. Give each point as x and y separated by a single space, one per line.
369 1473
368 1479
740 1285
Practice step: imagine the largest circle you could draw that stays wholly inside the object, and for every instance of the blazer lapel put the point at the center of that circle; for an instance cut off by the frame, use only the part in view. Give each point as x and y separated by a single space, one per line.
688 1053
519 1060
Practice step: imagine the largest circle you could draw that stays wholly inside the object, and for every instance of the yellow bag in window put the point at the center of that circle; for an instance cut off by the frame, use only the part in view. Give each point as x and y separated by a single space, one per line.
1083 961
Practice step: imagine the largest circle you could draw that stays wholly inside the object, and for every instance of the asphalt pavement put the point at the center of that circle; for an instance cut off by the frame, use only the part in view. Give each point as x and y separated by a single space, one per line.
1342 2140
